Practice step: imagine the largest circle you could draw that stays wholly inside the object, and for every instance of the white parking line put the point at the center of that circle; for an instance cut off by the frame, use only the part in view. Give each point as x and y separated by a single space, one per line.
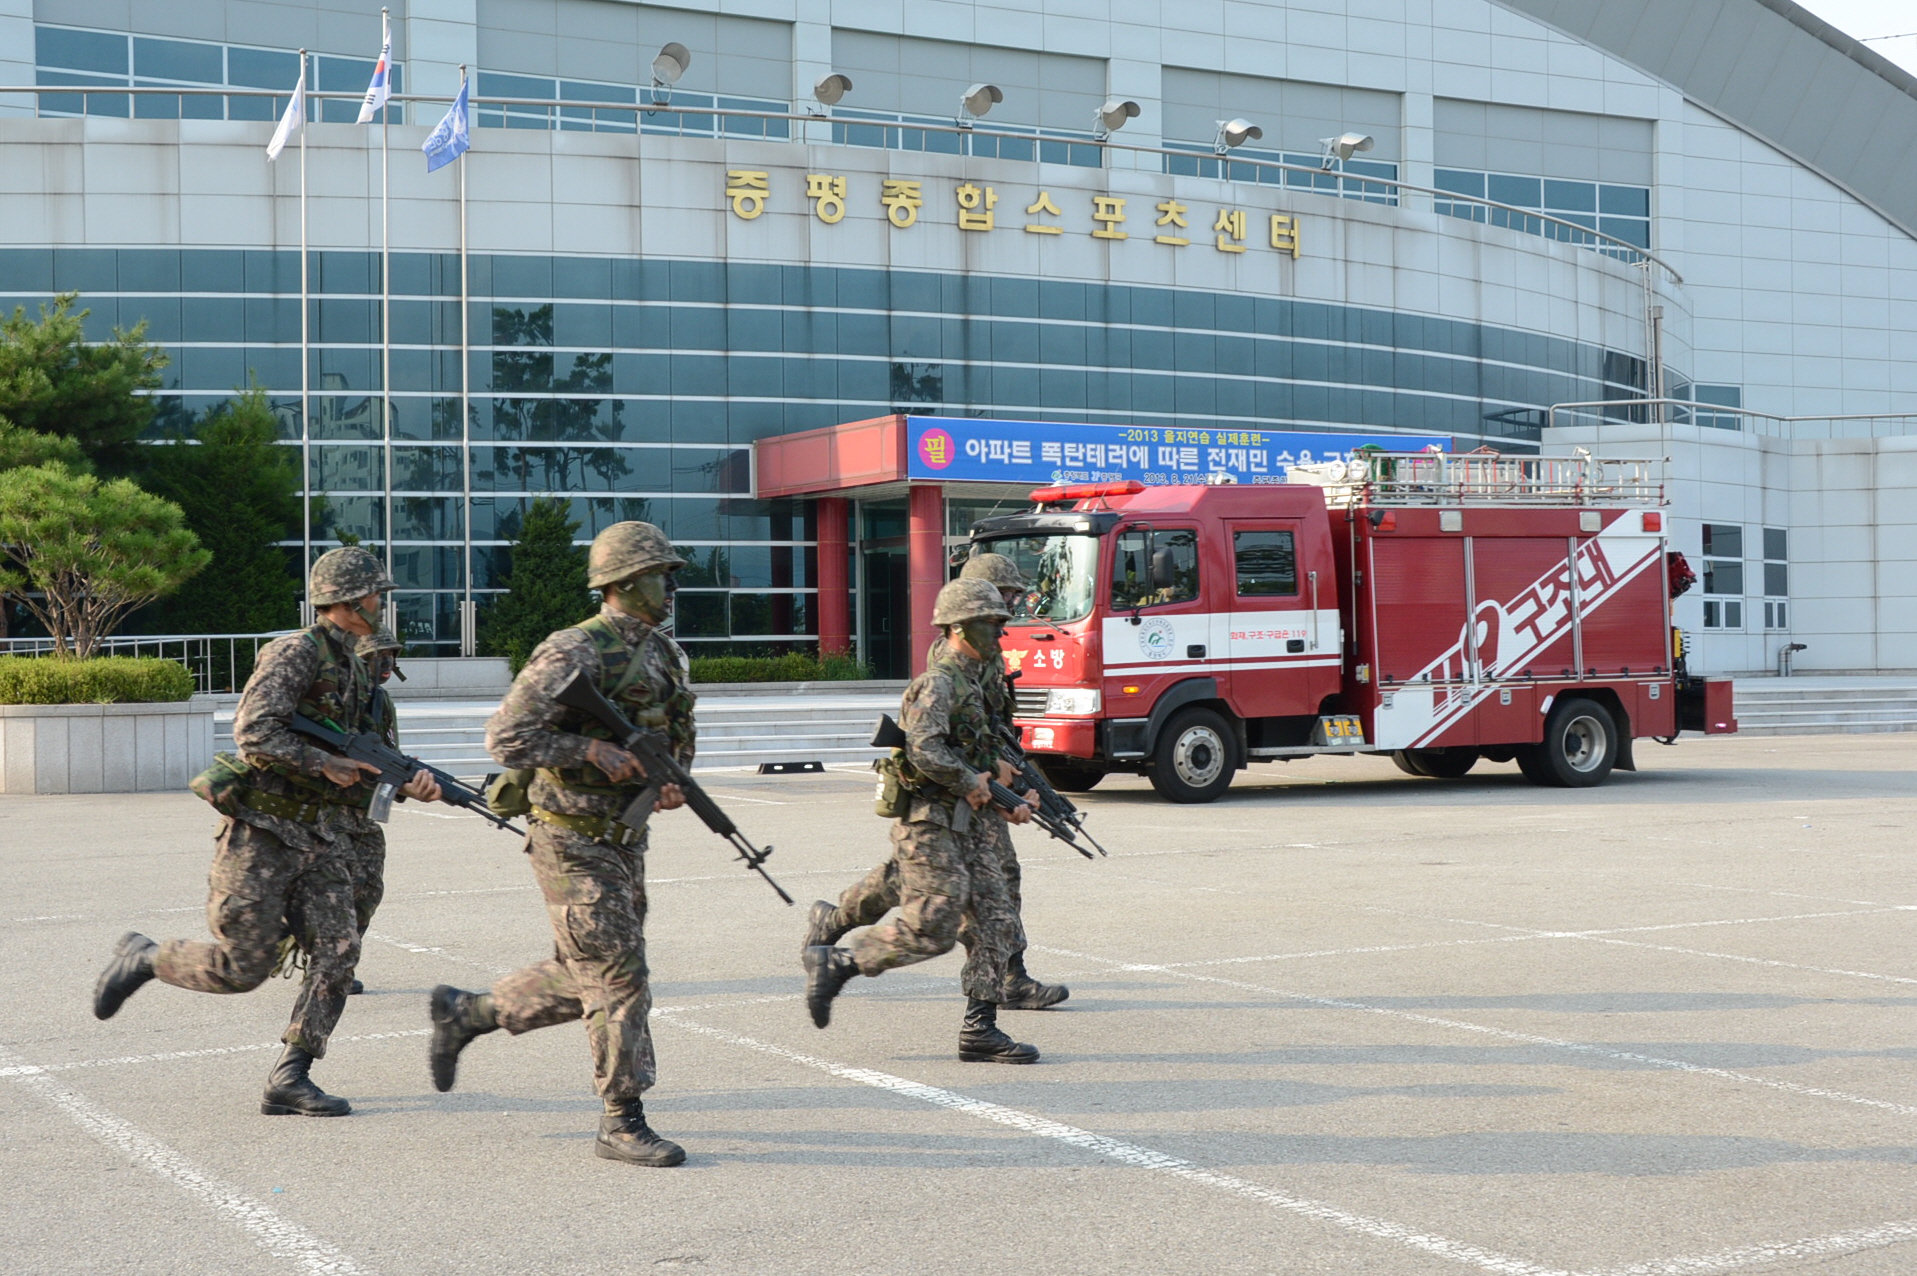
1506 1034
34 1069
278 1236
1140 1157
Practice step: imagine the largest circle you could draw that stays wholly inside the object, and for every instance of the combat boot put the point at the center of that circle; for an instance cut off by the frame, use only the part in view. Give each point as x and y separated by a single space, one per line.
457 1018
826 971
824 926
625 1136
982 1041
1022 992
132 965
355 988
290 1092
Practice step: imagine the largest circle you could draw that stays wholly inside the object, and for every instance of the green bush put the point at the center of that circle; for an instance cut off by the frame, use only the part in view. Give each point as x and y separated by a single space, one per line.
103 680
794 666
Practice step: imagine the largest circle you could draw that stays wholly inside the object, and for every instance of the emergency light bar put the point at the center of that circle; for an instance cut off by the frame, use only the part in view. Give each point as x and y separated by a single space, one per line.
1085 491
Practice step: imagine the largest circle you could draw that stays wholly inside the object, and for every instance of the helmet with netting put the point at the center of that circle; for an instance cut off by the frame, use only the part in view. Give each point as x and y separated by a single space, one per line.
381 639
626 549
997 568
345 574
962 600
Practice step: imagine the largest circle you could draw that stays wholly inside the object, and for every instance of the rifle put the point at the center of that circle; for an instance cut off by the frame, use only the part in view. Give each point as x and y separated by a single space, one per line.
1051 802
395 770
654 752
892 736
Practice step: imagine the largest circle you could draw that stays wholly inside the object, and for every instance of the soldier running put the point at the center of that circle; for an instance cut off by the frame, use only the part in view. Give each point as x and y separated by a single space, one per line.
284 857
949 872
867 900
590 866
380 650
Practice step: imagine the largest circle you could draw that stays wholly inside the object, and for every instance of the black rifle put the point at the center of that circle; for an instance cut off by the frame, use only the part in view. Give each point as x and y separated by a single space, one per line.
395 770
654 751
1051 802
890 735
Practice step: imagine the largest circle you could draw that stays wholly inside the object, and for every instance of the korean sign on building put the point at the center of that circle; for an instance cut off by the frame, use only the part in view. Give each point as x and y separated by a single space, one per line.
968 449
976 208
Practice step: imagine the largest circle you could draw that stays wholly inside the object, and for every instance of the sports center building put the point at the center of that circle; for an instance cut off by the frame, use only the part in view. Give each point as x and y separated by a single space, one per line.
1093 238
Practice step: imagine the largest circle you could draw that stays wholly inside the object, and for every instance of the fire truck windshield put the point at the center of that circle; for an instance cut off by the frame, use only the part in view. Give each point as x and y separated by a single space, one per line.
1062 572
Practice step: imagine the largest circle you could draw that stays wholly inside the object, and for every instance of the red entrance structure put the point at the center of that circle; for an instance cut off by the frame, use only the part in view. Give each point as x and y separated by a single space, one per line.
865 459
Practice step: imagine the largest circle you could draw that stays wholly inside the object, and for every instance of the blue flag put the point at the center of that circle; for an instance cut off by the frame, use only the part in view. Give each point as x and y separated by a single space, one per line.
449 140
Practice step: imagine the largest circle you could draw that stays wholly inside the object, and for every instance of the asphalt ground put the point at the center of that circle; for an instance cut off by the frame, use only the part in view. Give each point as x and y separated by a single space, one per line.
1343 1021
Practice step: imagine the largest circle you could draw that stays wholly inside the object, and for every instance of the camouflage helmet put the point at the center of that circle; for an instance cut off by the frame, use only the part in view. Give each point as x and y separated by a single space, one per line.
379 640
626 549
997 568
962 600
345 574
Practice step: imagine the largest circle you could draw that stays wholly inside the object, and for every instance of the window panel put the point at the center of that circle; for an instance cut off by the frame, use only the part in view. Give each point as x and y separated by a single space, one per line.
1723 576
1724 540
186 60
80 50
1776 542
1777 580
1152 569
1267 564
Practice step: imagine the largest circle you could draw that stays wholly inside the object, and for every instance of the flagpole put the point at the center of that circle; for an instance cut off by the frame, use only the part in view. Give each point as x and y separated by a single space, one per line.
306 375
386 315
470 645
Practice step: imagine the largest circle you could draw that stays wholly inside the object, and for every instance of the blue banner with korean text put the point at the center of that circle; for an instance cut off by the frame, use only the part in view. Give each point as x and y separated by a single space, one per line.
971 450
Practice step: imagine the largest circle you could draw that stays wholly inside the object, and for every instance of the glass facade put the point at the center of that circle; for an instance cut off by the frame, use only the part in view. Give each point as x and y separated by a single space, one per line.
103 59
634 388
1623 212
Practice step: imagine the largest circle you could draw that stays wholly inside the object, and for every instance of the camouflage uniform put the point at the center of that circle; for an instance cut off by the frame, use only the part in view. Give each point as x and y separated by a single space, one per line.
594 888
367 850
946 874
283 864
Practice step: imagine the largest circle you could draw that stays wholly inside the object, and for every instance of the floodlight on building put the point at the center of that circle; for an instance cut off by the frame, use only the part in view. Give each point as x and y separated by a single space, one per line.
831 88
667 66
1342 147
976 101
1111 117
1233 133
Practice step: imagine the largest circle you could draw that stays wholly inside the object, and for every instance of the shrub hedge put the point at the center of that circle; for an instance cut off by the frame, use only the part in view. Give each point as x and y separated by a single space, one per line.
794 666
102 680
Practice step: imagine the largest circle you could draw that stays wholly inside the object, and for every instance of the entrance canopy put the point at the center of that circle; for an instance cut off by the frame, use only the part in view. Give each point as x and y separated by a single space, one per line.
927 459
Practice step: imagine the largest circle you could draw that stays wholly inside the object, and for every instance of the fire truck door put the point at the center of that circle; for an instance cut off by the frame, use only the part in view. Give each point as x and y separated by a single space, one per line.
1282 644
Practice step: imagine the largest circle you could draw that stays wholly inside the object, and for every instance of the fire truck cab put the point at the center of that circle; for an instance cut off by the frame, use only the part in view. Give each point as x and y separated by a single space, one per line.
1440 609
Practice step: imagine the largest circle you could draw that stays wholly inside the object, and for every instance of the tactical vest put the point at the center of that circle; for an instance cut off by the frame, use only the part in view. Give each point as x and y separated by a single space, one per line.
970 728
623 680
327 701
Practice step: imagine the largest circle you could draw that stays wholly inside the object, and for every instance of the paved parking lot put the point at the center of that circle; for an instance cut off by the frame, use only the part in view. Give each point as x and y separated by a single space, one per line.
1343 1021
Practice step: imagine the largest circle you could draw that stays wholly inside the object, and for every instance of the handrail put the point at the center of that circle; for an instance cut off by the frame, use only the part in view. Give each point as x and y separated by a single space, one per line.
1713 409
476 100
200 654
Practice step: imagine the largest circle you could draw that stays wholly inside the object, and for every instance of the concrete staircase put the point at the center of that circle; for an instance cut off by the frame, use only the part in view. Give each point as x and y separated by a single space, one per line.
1813 704
739 726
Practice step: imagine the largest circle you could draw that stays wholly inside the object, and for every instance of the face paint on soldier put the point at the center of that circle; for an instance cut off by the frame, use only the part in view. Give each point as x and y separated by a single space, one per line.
647 596
981 636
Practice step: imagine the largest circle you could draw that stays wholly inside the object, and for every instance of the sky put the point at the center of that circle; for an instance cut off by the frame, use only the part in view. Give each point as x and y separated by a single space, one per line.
1866 18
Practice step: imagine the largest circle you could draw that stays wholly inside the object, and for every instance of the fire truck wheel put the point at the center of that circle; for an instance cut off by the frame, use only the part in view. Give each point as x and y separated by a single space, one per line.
1192 761
1072 777
1580 745
1440 764
1406 763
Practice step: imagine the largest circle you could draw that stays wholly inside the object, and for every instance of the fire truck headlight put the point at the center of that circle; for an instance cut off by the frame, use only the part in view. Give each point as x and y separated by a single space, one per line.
1072 701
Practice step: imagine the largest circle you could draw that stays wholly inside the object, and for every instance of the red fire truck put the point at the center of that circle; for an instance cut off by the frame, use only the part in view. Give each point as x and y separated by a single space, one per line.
1436 608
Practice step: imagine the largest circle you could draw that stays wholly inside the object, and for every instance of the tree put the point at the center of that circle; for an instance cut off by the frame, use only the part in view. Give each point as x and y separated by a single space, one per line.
53 382
239 490
92 550
547 584
21 447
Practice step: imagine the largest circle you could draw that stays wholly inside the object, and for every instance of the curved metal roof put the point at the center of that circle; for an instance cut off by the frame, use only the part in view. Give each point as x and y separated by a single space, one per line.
1776 71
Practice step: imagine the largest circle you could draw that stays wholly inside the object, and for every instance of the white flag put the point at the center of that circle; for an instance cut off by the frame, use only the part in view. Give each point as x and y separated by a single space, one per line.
289 122
381 89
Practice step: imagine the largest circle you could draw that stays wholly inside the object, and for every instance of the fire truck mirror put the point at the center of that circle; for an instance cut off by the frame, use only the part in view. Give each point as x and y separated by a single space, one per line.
1164 569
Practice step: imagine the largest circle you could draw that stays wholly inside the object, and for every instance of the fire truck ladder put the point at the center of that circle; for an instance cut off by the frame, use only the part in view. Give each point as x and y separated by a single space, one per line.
1484 478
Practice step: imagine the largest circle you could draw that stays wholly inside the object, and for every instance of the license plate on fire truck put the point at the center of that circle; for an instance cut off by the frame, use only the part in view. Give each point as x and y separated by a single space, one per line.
1338 728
